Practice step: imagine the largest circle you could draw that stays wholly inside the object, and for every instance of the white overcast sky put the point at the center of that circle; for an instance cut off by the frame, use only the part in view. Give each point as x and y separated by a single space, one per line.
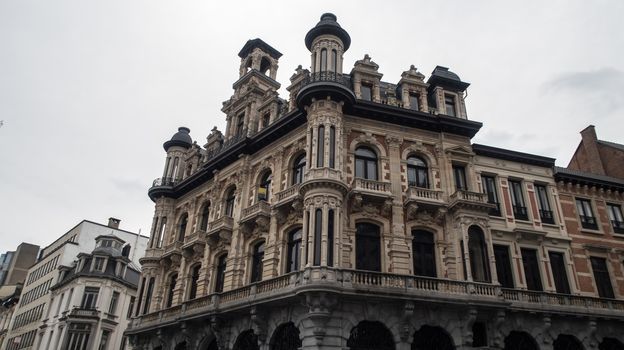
89 90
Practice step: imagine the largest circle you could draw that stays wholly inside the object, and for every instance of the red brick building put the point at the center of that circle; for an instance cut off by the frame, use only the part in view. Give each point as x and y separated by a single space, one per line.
597 156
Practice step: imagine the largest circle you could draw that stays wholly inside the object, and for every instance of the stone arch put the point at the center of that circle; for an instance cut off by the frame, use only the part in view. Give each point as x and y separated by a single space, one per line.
421 152
246 340
368 141
295 157
567 342
265 65
432 338
208 343
285 337
519 340
370 335
608 343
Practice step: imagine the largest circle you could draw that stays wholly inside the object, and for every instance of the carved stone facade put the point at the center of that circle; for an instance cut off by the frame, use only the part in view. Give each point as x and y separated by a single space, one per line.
358 214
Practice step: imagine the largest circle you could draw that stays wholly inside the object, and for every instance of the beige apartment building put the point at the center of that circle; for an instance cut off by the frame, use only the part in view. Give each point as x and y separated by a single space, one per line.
357 214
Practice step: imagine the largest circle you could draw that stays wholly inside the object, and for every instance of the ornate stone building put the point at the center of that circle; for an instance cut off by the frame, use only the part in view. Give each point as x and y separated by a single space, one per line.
358 214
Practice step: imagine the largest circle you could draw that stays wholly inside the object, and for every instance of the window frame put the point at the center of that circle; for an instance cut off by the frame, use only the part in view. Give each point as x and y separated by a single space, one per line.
257 258
230 202
364 241
531 268
518 204
369 88
605 277
459 177
450 100
367 161
220 273
559 273
298 169
615 217
488 182
293 258
424 253
266 181
418 171
504 267
543 204
584 206
194 273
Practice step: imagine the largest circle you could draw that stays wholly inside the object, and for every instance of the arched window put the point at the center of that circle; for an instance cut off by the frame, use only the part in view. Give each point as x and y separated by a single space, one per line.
294 250
256 262
423 253
318 231
320 151
323 60
182 227
203 216
367 247
264 188
194 280
265 65
330 237
161 232
417 172
247 340
335 61
220 273
432 338
365 163
286 337
520 341
298 169
230 198
567 342
370 335
172 284
479 265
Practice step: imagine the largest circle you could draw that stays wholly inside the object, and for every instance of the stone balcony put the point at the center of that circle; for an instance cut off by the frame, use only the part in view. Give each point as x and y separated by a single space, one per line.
372 188
196 240
174 248
463 199
424 196
79 313
220 230
287 196
256 217
380 286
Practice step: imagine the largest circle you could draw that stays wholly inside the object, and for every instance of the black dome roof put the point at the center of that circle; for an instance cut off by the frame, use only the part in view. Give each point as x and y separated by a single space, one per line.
328 25
180 138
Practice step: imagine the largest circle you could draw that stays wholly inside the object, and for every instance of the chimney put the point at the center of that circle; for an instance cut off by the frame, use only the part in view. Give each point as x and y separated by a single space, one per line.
113 223
590 144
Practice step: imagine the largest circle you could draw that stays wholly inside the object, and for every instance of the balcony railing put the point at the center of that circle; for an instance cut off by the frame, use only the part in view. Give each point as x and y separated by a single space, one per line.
288 194
618 226
164 181
382 285
330 77
424 194
260 208
520 212
371 185
588 222
547 216
84 312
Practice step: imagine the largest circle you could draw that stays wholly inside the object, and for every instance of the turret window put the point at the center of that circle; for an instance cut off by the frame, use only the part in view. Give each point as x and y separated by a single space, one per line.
318 230
298 169
417 172
365 163
335 61
449 102
330 237
256 262
323 60
161 231
320 150
332 146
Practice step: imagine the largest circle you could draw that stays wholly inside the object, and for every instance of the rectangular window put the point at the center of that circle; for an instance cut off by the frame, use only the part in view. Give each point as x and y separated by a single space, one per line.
140 297
104 340
546 214
89 298
615 216
517 200
503 266
449 102
586 214
98 265
318 229
220 273
265 120
366 92
130 307
557 263
78 336
332 146
320 150
414 102
489 188
330 238
459 174
112 308
148 295
240 125
601 276
531 269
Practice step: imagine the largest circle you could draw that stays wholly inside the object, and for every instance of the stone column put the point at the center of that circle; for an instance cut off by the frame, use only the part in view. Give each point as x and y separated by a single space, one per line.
398 252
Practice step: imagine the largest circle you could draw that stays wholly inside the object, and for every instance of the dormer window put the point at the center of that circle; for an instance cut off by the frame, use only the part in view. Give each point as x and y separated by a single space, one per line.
98 264
265 120
414 102
367 92
240 124
449 102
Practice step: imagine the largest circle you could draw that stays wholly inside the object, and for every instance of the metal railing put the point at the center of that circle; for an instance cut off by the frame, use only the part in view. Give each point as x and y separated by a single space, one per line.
331 77
164 181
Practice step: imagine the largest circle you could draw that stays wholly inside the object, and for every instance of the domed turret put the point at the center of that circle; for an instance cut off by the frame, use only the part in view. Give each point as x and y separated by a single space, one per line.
328 25
181 138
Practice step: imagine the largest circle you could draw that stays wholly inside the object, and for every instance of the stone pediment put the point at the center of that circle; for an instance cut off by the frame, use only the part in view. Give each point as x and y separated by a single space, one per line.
461 151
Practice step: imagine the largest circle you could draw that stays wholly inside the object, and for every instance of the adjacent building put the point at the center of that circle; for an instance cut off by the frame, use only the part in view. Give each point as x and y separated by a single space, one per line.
61 266
357 214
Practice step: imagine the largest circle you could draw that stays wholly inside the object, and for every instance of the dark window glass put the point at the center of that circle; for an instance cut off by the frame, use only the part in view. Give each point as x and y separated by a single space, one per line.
172 284
266 120
286 337
332 146
256 262
370 335
459 174
517 200
335 61
531 269
229 202
489 188
298 169
194 280
161 234
417 173
557 263
205 213
247 340
366 92
615 216
546 214
368 247
318 229
520 341
449 101
294 250
479 265
429 338
89 298
320 153
479 334
365 163
221 265
140 296
423 255
601 277
240 125
586 214
323 60
264 189
182 227
148 295
130 307
414 102
567 342
503 266
330 238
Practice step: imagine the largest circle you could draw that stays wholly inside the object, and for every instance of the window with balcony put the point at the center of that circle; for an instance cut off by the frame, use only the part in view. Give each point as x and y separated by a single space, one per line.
203 216
230 198
264 188
170 288
256 262
531 269
182 227
194 279
417 172
489 188
89 298
112 307
414 101
298 169
367 247
601 277
365 163
477 251
503 266
546 214
449 103
586 214
559 272
367 92
294 250
220 273
423 253
517 200
320 150
459 175
615 216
